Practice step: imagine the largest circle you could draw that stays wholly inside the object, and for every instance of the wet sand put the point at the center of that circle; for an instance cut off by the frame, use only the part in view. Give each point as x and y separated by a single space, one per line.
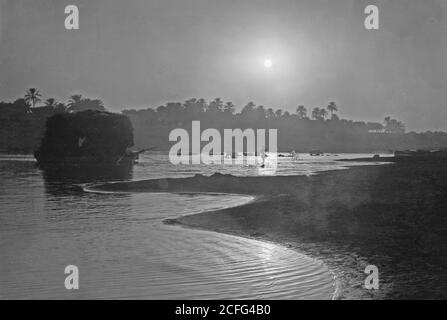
392 216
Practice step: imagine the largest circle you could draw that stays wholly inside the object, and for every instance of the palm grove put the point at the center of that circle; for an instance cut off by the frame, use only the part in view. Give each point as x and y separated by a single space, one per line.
22 124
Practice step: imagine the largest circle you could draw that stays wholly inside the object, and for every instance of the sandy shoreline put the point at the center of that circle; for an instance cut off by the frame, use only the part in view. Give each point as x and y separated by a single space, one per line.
345 268
390 216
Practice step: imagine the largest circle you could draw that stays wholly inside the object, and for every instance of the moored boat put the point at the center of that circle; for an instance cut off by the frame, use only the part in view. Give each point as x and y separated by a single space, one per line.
316 153
87 138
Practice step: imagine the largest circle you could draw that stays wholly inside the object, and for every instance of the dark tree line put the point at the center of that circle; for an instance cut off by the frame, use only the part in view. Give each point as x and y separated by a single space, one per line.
302 130
22 124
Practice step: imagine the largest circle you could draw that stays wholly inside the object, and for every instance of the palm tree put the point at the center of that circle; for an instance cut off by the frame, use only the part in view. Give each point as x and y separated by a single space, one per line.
85 104
98 104
323 113
301 112
202 105
194 107
215 106
248 109
33 96
316 113
229 107
50 102
270 114
332 107
74 100
278 113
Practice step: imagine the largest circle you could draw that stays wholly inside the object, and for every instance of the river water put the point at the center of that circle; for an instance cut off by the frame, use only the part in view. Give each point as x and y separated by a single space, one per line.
122 248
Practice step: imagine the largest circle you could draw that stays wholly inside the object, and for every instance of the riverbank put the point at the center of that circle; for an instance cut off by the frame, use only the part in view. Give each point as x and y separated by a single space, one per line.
391 216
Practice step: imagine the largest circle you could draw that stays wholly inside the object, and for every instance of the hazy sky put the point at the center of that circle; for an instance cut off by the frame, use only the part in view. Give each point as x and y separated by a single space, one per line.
144 53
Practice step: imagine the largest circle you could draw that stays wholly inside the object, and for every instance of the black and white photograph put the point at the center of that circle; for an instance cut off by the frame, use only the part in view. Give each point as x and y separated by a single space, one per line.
211 152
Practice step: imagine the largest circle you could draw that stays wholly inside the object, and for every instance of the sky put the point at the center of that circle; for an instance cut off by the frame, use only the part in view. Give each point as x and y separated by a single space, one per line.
145 53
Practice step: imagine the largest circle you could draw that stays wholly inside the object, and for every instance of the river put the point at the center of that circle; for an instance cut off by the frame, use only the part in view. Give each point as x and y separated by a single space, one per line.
122 248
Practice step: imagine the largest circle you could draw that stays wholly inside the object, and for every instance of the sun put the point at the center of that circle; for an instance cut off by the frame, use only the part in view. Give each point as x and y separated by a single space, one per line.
268 63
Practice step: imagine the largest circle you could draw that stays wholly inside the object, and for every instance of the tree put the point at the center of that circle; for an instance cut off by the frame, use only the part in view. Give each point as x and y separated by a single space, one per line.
215 106
20 106
332 107
229 108
74 99
301 112
174 112
98 102
319 113
260 113
374 127
193 108
270 114
393 125
202 105
77 103
278 114
316 114
33 96
51 102
248 109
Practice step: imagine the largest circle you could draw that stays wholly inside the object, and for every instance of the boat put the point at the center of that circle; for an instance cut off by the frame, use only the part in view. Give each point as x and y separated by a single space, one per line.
87 139
316 153
408 153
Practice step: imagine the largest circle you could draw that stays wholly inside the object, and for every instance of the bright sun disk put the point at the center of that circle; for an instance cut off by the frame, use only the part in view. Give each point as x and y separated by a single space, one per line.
268 63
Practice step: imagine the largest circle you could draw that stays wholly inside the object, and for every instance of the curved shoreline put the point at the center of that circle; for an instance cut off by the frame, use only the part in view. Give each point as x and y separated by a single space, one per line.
334 274
292 211
197 184
254 199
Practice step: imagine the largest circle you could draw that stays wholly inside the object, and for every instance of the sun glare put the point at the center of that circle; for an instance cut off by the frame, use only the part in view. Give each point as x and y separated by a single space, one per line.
268 63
